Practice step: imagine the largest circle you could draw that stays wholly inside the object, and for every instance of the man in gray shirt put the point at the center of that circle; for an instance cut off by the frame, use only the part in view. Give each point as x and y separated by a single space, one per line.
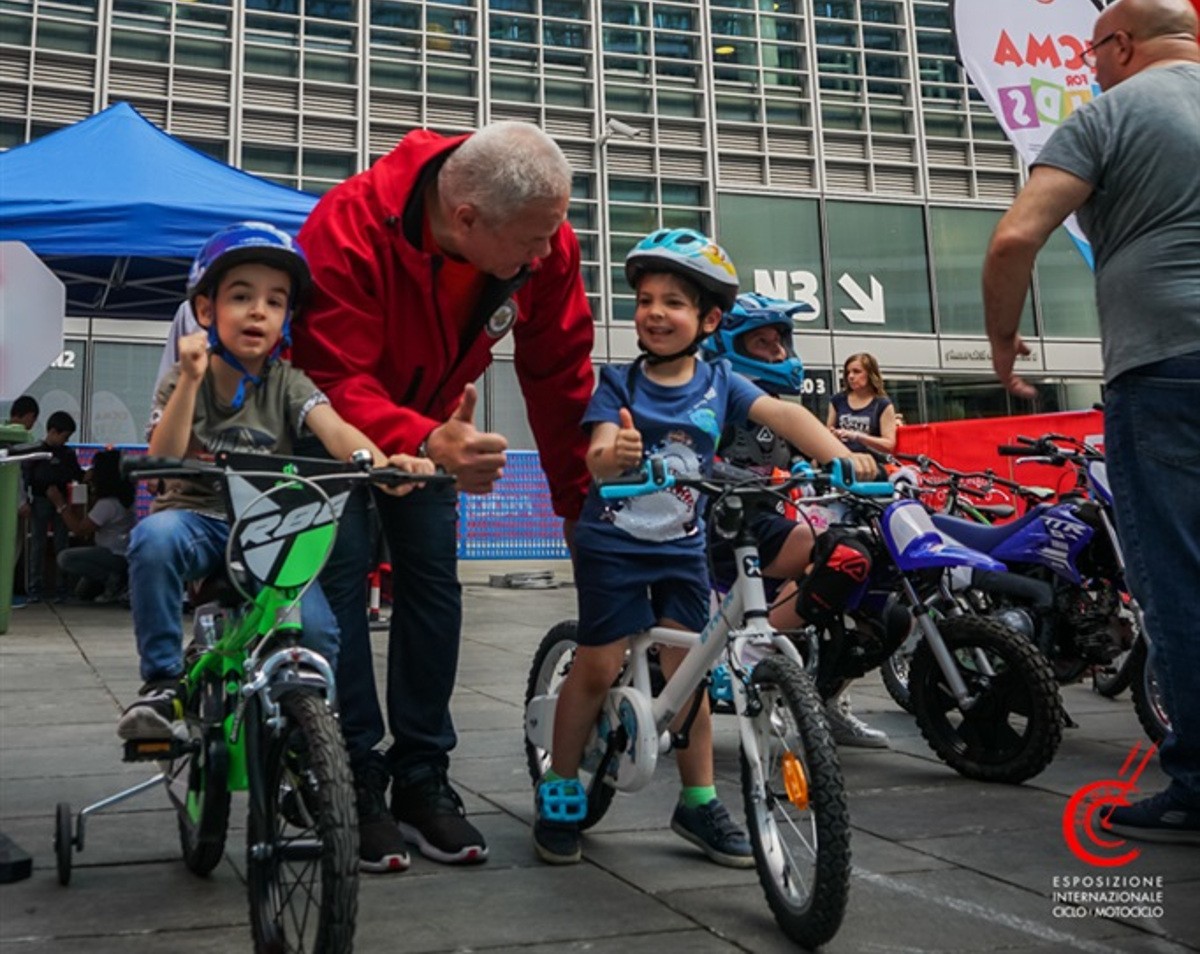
1127 163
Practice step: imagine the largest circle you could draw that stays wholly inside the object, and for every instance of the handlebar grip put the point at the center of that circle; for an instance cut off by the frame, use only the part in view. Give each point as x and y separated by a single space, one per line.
134 464
1012 450
842 477
652 477
394 477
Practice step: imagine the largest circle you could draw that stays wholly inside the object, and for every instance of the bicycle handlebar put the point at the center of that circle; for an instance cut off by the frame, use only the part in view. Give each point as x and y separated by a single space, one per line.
136 467
653 476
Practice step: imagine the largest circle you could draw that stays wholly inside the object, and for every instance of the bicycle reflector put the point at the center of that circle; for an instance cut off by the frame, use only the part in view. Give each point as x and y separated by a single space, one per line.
795 782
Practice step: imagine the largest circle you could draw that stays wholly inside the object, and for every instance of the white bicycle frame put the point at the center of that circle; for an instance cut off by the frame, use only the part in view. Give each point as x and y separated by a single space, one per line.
738 627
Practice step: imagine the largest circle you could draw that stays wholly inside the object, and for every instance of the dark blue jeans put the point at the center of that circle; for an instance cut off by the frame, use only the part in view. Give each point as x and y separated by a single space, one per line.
1152 446
421 530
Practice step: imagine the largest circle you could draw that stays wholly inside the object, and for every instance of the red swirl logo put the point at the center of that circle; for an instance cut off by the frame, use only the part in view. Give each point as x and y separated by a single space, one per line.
1086 814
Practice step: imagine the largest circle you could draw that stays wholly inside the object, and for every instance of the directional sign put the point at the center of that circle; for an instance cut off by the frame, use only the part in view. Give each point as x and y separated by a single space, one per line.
32 306
870 310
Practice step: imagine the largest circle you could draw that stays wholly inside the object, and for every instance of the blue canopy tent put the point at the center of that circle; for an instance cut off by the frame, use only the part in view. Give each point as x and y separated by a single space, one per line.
118 208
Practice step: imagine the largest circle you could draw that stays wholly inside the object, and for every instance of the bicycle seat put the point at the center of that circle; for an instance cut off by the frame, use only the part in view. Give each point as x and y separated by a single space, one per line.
214 589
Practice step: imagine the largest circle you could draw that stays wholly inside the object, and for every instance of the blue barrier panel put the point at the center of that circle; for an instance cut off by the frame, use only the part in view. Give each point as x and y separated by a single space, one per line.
514 522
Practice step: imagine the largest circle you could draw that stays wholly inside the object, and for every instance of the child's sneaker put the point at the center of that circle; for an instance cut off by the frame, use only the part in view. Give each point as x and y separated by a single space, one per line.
155 714
711 829
1157 818
559 807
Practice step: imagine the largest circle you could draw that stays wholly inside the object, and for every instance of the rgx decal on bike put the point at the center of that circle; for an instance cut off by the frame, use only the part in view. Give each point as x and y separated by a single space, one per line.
267 542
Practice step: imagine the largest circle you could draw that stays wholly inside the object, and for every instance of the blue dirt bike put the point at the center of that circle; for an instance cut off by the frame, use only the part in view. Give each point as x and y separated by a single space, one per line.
1064 588
985 700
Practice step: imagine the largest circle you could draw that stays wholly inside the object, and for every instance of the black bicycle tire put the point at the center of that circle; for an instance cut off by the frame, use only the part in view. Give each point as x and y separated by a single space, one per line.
816 919
202 833
895 684
332 851
64 842
1027 679
555 645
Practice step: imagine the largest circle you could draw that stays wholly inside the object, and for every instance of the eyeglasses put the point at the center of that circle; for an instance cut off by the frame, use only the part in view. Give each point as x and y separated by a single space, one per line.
1089 55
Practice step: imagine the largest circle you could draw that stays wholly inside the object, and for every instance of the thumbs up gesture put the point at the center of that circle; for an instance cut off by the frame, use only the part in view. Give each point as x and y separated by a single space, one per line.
475 457
627 445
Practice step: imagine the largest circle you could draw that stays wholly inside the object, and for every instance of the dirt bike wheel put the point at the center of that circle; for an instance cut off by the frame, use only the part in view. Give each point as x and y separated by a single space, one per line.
1113 678
796 805
1147 697
1015 727
895 673
302 832
551 663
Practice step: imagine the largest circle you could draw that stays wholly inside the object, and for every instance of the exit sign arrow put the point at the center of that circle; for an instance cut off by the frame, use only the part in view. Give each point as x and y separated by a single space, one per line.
870 307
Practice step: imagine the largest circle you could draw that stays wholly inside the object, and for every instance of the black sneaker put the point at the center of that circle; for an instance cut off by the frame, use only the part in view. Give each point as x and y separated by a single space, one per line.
1157 818
381 846
711 829
559 807
431 816
155 714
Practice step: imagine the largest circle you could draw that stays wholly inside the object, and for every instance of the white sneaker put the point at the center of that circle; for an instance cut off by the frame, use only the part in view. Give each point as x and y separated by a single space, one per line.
849 729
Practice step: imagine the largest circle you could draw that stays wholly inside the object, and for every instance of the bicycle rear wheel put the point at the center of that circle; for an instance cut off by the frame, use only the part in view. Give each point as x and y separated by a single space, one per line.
551 663
302 836
795 804
198 783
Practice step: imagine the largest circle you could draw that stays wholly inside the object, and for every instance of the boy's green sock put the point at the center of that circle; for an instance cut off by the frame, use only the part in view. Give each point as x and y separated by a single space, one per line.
552 776
693 796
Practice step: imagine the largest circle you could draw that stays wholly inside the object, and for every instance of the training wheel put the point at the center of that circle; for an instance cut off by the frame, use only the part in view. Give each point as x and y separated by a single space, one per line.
63 842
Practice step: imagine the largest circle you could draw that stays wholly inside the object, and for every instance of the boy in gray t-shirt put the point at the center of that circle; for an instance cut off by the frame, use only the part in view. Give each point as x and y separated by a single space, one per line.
229 392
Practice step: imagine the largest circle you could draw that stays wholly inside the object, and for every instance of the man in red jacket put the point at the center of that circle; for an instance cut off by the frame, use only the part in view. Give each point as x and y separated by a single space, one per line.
421 265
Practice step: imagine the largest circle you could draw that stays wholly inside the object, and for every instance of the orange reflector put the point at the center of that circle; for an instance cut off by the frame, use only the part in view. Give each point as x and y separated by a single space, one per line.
794 781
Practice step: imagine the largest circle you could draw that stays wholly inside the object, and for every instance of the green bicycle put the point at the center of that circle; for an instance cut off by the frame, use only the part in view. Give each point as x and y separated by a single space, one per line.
258 710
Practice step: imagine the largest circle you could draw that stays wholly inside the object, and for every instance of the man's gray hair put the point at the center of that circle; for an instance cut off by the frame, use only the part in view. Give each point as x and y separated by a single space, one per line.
503 168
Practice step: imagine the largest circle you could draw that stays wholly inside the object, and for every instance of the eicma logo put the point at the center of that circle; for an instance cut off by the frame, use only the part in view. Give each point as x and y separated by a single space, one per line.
1086 814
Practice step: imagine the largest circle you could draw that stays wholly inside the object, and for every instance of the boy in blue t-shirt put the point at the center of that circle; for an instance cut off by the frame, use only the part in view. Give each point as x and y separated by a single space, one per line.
641 562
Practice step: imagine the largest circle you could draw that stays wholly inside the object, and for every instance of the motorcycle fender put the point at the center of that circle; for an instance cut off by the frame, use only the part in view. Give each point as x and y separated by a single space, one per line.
916 544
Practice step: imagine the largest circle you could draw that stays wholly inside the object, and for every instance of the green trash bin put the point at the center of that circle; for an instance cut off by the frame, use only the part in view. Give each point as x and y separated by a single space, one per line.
9 481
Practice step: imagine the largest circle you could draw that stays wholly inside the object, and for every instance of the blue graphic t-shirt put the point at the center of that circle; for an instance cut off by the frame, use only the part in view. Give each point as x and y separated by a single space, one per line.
680 424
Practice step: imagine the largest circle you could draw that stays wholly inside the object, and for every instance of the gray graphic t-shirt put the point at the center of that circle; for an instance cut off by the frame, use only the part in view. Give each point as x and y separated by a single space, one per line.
268 423
1138 146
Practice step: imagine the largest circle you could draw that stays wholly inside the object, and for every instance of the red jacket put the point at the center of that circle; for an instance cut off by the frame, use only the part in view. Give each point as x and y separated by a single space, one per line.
373 340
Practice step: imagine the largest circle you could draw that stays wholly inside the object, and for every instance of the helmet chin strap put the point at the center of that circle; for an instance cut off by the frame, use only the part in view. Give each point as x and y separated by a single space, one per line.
215 346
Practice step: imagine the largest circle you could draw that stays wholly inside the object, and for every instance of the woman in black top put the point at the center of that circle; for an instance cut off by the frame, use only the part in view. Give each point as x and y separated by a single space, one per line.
862 415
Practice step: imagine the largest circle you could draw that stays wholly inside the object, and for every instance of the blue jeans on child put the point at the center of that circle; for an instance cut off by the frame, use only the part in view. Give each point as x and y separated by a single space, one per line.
1152 446
172 547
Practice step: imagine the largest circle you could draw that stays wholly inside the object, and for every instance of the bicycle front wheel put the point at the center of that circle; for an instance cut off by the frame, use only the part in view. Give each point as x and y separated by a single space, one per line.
795 803
302 835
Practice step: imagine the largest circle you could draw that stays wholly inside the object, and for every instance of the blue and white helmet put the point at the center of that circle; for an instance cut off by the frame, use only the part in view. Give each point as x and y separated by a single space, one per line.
249 242
238 244
750 312
690 254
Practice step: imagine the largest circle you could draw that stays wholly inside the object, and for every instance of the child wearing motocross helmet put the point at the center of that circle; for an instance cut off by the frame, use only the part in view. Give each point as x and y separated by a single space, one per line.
641 562
230 391
755 337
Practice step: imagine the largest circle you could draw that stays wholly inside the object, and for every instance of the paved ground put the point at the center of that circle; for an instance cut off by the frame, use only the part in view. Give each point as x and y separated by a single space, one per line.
940 863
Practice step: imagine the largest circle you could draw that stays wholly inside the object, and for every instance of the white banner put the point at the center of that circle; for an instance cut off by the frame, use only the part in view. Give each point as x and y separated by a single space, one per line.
1024 58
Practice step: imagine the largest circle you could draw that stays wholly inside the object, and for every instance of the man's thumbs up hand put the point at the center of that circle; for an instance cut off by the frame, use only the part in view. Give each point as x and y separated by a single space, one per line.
475 457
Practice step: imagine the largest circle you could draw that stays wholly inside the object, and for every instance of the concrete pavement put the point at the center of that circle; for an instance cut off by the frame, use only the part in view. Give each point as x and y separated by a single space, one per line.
940 863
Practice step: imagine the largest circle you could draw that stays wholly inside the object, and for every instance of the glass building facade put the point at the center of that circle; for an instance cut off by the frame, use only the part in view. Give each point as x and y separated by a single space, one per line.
834 147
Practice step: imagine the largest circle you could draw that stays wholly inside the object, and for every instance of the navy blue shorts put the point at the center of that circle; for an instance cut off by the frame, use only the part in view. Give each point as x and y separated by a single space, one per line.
622 593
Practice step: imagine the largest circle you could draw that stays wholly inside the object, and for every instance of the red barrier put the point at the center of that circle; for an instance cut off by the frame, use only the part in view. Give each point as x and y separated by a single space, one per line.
971 445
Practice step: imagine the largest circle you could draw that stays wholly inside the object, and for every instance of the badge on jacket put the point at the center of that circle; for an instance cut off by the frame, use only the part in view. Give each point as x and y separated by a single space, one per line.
502 319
